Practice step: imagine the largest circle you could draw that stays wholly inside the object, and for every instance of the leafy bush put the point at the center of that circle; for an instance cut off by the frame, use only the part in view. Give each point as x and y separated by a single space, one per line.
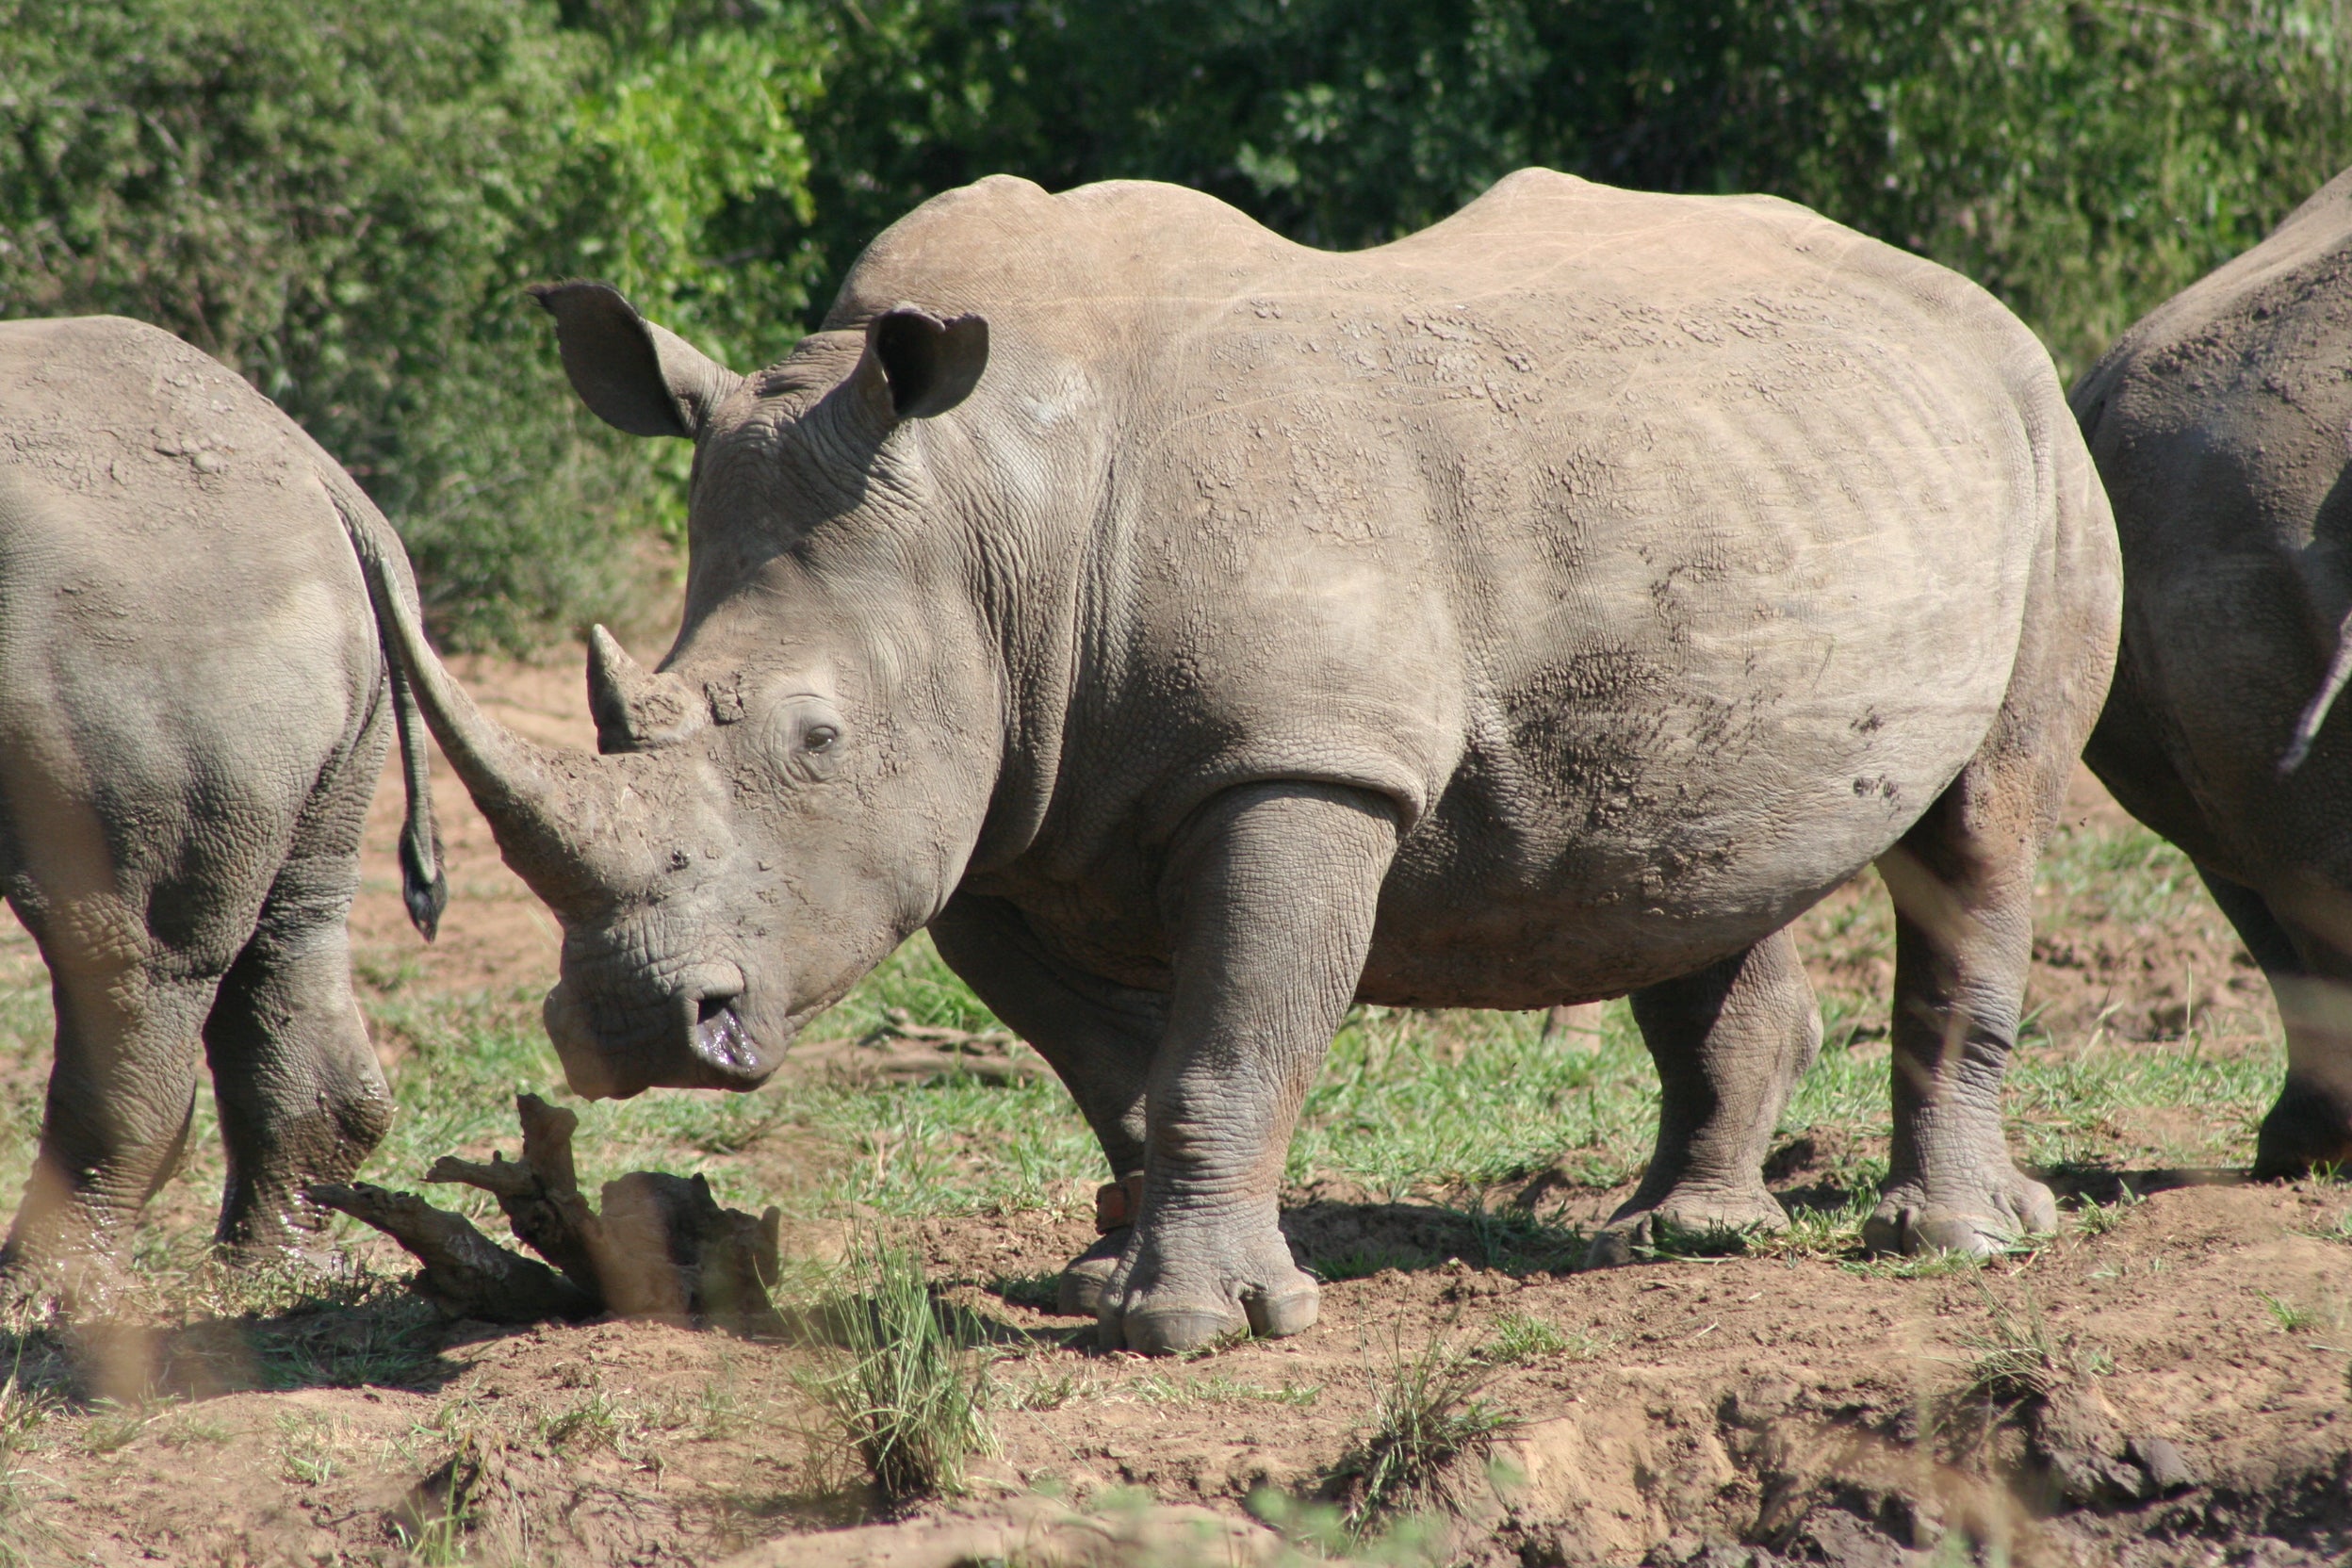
343 199
2082 158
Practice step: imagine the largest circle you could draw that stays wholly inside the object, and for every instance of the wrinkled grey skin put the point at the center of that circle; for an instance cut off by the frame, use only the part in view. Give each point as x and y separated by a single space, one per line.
194 715
2222 424
1200 633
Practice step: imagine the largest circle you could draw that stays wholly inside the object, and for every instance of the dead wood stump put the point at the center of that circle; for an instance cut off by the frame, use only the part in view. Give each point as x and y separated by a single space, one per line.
662 1247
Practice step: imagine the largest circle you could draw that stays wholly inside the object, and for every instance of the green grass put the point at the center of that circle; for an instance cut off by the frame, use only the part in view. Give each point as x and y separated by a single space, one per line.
2015 1358
1429 1415
1452 1110
1177 1389
1521 1338
910 1398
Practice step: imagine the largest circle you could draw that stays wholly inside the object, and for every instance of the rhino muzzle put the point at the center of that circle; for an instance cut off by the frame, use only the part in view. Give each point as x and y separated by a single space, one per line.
696 1038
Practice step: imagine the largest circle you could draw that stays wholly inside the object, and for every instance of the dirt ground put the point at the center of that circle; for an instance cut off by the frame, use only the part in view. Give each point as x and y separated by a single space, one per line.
2167 1382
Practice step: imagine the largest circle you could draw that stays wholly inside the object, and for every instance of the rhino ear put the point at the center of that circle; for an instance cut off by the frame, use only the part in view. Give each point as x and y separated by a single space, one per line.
924 366
633 375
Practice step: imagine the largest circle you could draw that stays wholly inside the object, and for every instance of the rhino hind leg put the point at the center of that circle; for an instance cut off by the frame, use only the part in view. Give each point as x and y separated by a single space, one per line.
1730 1042
121 1092
300 1096
2310 1124
1098 1036
1961 882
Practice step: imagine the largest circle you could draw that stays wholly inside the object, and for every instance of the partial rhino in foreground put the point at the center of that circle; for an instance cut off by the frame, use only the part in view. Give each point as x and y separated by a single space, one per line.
2222 424
1200 633
194 709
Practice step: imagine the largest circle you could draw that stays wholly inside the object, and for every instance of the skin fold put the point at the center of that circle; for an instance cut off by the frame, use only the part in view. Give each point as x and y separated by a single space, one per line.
2222 426
1200 633
194 709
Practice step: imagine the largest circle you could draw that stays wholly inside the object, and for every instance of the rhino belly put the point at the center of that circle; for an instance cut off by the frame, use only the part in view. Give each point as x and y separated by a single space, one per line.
1591 844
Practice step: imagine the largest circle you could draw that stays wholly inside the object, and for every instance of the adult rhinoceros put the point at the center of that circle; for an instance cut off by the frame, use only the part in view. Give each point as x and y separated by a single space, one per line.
1200 633
2222 424
193 716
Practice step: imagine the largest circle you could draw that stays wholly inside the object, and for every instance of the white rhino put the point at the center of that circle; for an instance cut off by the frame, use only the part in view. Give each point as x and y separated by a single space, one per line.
1200 633
2222 424
194 715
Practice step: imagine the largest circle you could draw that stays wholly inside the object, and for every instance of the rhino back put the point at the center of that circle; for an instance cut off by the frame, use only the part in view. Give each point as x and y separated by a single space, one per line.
1661 558
184 640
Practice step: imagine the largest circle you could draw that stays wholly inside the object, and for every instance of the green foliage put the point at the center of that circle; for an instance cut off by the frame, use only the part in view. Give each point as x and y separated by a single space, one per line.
2082 158
344 200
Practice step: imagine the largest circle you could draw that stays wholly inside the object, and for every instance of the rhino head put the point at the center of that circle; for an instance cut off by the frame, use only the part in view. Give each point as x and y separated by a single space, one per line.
799 786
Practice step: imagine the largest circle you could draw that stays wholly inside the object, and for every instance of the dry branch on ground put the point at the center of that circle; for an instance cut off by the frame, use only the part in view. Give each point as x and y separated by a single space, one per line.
661 1246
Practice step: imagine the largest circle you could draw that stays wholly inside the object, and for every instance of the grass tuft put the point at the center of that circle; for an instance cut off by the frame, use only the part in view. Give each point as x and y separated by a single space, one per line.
911 1396
306 1449
2019 1359
1519 1338
2292 1317
23 1413
2097 1219
1427 1413
1162 1389
1669 1241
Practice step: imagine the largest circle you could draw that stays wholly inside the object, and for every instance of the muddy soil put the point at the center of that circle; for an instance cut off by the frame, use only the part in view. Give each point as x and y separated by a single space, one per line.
2184 1397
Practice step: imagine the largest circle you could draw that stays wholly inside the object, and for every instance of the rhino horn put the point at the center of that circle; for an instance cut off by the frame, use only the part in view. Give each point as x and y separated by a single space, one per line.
558 814
635 710
554 811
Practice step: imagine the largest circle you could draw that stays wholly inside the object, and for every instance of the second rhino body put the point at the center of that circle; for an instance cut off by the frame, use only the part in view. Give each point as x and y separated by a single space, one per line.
1200 633
2222 424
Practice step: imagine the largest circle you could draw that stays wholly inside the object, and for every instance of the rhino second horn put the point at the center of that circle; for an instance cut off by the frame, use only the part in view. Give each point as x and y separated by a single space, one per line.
635 710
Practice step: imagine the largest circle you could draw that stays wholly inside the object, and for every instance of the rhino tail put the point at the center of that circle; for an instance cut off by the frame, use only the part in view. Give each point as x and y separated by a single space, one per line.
2315 712
392 595
424 885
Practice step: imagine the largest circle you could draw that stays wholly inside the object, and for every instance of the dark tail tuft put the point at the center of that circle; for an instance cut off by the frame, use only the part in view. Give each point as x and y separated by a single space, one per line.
423 887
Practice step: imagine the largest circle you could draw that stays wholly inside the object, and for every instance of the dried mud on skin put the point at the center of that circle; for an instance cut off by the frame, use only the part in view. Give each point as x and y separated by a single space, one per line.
662 1247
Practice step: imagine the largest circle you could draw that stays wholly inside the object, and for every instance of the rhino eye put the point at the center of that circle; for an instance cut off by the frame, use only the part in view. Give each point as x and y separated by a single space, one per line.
820 738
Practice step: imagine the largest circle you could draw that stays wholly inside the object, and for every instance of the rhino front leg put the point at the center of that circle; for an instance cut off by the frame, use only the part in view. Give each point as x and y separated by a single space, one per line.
1099 1036
1730 1042
1271 893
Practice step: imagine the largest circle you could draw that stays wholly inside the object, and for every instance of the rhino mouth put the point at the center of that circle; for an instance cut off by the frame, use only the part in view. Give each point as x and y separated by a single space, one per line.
722 1043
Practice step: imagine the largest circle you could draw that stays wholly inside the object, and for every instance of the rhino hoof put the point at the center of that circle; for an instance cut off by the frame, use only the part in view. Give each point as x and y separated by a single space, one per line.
1168 1331
2307 1127
1908 1232
1611 1249
1082 1279
1292 1312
